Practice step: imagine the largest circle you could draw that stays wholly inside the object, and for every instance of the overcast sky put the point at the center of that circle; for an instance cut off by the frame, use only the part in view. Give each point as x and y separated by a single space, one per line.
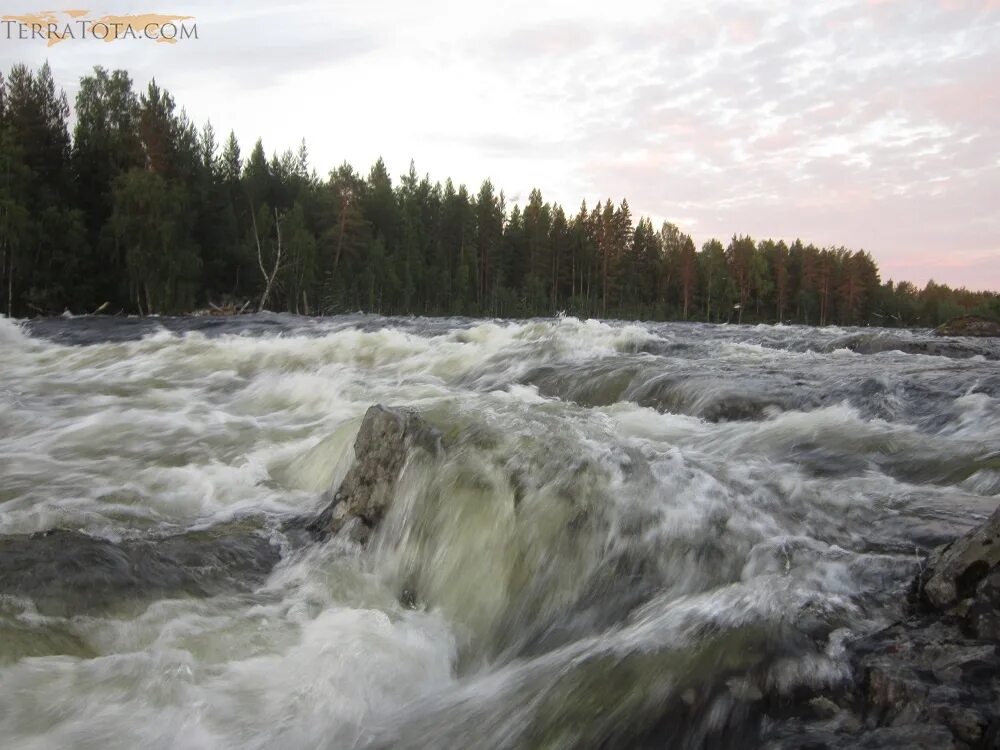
872 125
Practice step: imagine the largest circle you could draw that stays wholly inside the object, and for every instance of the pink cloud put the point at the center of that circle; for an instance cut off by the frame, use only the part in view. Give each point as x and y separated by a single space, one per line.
742 31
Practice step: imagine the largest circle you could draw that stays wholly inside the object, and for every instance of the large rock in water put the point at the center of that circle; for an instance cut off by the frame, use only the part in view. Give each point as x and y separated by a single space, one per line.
387 438
931 680
969 325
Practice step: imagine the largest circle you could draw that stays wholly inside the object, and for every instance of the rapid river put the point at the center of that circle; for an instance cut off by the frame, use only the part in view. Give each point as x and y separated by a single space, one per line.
631 522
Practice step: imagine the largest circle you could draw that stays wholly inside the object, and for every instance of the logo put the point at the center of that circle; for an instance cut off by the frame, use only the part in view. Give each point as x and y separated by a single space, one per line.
55 27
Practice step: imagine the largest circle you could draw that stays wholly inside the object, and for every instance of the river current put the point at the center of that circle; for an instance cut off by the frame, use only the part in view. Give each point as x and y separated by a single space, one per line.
630 523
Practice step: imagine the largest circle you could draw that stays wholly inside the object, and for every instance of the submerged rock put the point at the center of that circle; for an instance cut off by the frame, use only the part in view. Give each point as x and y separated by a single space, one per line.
969 325
385 441
67 572
932 679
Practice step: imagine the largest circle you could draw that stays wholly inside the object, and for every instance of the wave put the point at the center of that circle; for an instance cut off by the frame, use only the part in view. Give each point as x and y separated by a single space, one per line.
627 519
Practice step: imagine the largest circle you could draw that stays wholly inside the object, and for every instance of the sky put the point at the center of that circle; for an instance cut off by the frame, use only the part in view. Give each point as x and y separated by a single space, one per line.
868 124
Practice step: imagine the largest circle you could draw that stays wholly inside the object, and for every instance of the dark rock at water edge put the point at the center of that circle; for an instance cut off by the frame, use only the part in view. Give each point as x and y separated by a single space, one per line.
969 325
931 680
962 577
386 440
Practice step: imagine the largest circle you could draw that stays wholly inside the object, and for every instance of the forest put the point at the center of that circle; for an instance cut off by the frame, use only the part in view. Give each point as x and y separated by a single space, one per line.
140 211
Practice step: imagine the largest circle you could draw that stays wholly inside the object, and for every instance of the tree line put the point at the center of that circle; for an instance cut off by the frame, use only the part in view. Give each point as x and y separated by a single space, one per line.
141 211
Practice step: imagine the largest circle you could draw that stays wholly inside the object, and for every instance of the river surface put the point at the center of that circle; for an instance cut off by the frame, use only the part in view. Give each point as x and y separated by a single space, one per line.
633 526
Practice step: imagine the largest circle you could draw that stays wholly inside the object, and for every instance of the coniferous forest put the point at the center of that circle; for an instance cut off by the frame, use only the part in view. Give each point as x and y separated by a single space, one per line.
141 211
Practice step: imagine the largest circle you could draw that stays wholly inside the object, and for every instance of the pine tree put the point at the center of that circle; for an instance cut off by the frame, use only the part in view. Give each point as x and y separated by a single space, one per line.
141 210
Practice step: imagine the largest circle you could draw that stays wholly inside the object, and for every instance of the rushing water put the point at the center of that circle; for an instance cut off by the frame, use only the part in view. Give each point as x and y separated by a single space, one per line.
631 523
